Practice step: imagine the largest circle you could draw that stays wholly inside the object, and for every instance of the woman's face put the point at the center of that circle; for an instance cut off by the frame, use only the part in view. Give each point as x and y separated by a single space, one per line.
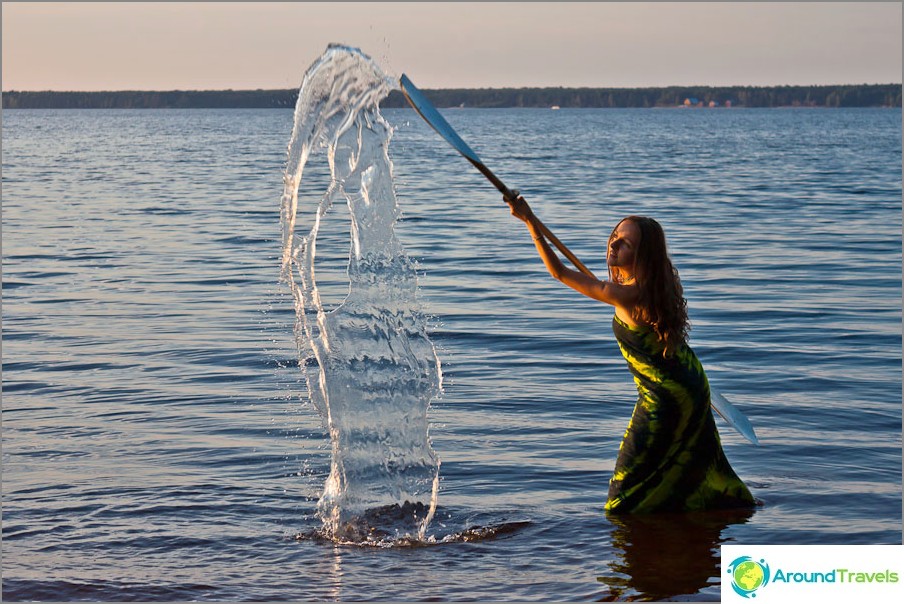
623 244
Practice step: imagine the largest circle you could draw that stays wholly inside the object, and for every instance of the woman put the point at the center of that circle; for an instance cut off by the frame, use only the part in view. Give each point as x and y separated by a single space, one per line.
671 458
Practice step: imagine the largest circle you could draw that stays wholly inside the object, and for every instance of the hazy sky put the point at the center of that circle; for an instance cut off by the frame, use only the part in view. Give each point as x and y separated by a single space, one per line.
165 46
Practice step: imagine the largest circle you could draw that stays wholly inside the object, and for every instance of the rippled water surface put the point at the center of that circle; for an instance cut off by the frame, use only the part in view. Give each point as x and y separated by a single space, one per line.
157 444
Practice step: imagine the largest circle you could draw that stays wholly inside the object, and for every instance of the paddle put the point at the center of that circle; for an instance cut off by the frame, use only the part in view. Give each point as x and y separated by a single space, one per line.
427 111
732 416
416 98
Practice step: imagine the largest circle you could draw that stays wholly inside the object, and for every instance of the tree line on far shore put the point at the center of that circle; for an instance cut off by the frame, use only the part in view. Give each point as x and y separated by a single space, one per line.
864 95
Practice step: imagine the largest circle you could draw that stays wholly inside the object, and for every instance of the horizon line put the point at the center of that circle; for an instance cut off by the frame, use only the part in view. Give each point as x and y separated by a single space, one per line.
4 91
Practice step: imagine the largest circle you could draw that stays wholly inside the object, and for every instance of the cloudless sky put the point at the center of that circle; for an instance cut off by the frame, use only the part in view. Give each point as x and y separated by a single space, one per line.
189 46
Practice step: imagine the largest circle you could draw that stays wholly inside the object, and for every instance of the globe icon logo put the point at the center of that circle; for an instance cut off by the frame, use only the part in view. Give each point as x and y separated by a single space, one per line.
748 575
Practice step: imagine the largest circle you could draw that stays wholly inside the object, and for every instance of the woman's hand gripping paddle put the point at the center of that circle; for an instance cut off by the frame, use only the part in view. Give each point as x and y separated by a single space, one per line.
427 111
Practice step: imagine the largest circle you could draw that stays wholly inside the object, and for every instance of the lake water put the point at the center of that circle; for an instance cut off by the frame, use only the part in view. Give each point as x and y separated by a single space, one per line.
157 440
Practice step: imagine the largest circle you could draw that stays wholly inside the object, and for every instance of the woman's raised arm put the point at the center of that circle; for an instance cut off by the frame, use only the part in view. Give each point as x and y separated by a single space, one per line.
624 296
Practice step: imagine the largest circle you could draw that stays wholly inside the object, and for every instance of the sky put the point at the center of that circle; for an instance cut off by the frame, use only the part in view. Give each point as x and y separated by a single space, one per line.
239 45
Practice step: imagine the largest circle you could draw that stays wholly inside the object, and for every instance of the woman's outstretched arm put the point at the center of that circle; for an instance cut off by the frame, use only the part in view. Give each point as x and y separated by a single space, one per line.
605 291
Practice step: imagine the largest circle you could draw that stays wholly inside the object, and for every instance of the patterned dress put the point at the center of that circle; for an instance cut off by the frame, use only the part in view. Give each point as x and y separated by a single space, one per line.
671 458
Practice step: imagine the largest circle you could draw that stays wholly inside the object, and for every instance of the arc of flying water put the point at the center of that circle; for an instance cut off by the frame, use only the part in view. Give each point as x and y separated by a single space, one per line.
375 341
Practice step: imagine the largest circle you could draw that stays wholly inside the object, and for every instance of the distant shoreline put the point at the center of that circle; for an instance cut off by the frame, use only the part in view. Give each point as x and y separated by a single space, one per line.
831 96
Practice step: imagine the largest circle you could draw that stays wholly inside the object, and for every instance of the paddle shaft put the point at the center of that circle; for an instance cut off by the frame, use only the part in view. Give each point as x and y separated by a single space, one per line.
509 194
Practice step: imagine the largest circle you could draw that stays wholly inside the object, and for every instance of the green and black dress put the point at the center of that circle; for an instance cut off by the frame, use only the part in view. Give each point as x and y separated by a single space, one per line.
671 458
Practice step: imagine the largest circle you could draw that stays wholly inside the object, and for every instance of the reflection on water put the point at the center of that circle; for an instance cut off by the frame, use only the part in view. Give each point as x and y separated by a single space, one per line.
659 556
335 594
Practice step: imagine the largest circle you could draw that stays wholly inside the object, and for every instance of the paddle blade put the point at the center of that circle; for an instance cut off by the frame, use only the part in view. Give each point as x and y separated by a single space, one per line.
733 416
427 111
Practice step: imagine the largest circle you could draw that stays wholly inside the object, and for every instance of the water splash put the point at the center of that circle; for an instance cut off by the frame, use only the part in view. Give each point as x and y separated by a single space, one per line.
370 366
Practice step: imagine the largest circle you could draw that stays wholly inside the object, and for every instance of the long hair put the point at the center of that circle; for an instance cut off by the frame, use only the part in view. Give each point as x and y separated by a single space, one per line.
661 302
